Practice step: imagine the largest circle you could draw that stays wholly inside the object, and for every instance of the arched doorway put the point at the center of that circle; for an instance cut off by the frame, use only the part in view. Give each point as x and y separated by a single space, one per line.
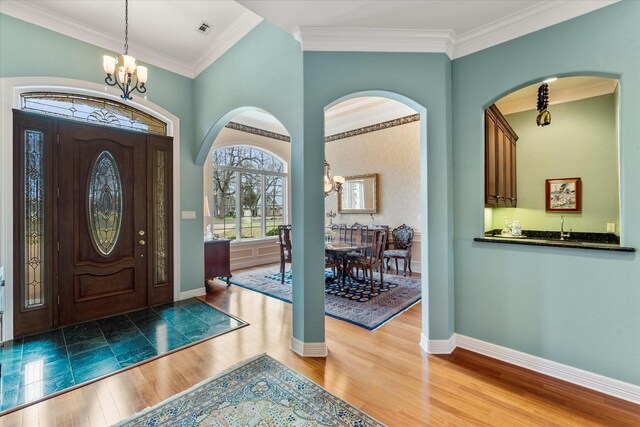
246 184
415 108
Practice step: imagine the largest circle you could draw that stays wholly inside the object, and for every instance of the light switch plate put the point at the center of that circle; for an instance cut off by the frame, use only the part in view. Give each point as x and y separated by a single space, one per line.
611 227
188 215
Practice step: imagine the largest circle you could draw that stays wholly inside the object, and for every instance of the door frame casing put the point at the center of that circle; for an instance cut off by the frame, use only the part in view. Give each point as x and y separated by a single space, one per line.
10 90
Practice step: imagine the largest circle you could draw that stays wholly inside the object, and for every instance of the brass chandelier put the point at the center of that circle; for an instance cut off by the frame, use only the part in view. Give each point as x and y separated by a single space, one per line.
331 183
127 72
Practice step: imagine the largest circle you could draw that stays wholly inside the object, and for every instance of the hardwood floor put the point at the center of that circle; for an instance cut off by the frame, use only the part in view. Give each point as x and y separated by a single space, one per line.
384 373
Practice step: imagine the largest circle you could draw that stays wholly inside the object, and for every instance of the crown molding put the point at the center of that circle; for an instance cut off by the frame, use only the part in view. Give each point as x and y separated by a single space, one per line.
60 24
246 22
524 22
374 40
445 41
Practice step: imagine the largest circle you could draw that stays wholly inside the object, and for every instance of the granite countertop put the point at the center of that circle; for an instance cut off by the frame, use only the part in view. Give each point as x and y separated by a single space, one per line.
598 241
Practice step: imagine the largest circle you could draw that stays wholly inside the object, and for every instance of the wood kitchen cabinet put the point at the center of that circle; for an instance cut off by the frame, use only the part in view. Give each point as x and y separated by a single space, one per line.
217 261
500 160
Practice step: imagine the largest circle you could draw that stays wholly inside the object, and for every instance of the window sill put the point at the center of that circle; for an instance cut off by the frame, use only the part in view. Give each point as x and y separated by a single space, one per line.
257 241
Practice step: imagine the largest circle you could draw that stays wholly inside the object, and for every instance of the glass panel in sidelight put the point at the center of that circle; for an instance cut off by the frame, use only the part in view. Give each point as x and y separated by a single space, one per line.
34 219
160 212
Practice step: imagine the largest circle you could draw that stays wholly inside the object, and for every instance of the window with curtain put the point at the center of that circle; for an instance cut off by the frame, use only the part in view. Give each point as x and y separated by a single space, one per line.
247 192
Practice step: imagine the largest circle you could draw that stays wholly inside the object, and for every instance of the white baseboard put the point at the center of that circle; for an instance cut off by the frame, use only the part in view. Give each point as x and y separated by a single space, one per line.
309 349
192 293
590 380
438 346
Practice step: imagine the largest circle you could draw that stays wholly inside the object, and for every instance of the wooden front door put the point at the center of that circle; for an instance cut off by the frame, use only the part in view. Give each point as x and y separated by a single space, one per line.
93 233
103 256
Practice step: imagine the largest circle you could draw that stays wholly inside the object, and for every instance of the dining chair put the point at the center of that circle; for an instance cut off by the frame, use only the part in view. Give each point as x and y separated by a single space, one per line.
402 242
372 259
343 230
358 235
284 239
335 232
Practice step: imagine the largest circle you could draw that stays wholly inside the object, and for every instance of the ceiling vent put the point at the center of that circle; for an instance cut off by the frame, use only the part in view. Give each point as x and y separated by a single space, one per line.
204 28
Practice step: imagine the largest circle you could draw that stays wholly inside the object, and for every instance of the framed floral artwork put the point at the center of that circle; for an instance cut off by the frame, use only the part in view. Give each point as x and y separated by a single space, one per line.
563 195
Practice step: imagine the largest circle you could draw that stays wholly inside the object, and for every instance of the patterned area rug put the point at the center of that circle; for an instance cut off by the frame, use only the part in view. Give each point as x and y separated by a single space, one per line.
355 305
355 291
257 392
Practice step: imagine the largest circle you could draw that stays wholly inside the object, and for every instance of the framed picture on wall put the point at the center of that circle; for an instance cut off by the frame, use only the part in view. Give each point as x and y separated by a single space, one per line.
563 195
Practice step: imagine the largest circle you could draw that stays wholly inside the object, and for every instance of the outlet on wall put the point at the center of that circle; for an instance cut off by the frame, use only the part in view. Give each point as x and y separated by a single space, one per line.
611 227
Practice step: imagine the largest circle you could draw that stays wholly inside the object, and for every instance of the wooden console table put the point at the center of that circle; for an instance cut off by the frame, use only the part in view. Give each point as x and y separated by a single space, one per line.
216 261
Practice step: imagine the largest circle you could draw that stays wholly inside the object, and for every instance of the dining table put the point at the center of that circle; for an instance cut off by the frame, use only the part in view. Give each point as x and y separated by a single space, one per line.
341 250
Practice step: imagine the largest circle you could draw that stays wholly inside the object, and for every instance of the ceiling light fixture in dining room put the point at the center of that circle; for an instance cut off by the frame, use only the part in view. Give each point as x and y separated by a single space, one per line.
331 183
127 69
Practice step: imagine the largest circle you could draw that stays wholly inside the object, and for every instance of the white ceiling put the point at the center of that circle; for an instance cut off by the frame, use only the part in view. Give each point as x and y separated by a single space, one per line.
458 16
564 89
163 32
455 27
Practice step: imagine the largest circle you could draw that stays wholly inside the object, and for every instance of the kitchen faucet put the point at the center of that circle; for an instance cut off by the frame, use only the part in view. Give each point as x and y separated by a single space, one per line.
562 233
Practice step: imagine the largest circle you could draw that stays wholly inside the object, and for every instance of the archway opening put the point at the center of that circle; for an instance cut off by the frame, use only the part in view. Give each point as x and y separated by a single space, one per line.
247 186
552 166
376 142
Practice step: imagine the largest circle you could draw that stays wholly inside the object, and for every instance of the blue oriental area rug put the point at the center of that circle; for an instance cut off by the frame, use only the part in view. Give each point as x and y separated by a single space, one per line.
257 392
355 304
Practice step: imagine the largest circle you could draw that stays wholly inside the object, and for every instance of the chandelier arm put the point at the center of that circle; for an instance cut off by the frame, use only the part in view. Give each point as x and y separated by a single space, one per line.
110 80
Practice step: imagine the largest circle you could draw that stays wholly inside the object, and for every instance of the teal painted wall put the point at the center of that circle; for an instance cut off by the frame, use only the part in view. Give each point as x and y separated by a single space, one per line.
263 70
571 306
29 50
425 79
582 141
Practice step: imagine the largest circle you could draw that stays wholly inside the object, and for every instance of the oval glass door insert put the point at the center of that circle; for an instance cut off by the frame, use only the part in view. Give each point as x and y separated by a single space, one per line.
105 203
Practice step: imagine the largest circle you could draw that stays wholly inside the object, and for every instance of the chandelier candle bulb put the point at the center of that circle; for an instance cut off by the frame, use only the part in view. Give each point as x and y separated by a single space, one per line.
129 63
141 72
109 64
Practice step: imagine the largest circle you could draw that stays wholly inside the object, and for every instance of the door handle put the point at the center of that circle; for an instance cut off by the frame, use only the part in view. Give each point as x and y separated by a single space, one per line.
142 242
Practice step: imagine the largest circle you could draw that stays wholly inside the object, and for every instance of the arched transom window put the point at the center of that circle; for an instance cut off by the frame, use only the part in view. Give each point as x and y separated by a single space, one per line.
92 109
247 190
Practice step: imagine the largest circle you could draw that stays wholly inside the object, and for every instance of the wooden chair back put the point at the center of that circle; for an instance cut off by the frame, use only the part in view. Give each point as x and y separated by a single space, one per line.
358 233
284 237
342 232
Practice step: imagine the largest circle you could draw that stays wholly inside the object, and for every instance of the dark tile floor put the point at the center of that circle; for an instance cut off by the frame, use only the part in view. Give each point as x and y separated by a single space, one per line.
42 364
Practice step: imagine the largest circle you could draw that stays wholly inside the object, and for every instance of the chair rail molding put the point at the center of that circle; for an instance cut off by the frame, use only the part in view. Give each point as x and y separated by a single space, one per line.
10 90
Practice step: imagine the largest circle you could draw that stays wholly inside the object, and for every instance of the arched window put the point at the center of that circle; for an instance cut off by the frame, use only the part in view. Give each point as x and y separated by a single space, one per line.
247 188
